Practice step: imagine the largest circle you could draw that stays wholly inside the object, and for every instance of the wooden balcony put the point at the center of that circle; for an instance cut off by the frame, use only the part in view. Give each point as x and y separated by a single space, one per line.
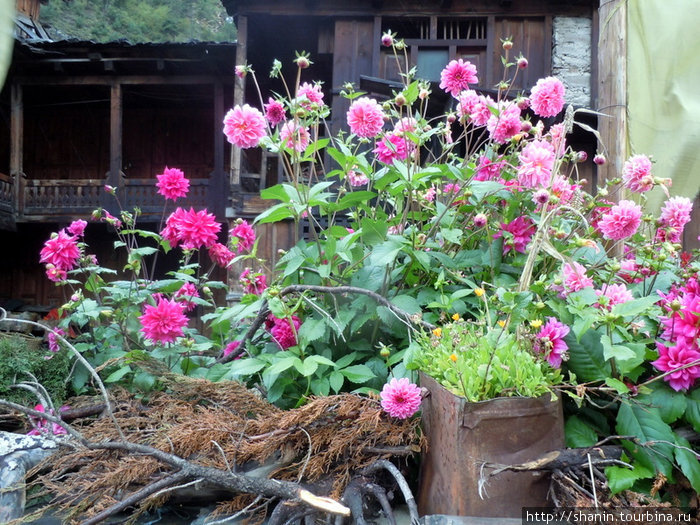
68 199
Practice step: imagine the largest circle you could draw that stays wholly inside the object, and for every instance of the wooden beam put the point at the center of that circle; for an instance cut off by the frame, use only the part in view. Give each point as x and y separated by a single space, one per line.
238 95
98 80
217 188
17 145
612 86
115 136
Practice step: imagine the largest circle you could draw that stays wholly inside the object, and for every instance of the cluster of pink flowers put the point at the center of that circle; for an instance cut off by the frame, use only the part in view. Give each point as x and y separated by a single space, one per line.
244 126
547 97
675 214
42 426
310 95
220 254
679 353
536 163
255 283
505 124
191 229
357 178
61 252
172 184
549 341
521 229
575 278
231 348
612 294
295 136
243 236
400 398
284 331
621 221
365 117
164 322
185 295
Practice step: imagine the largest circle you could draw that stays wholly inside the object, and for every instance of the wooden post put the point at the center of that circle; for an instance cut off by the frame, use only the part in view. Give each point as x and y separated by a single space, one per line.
17 146
239 96
217 184
115 136
612 86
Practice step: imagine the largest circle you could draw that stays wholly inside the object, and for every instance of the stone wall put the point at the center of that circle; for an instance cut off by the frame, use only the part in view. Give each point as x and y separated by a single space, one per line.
571 57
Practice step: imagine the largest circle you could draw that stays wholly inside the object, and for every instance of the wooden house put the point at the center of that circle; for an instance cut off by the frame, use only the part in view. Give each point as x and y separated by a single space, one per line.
79 115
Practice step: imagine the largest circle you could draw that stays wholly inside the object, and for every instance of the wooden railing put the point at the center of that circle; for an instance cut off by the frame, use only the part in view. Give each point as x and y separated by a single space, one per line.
7 196
60 197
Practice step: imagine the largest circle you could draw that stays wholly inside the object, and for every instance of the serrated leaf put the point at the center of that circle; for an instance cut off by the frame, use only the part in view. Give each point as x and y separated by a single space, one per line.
276 213
280 366
620 478
579 433
244 367
618 385
312 329
373 231
586 358
670 404
321 386
688 461
118 374
386 252
307 367
321 360
692 411
336 380
358 373
653 449
636 306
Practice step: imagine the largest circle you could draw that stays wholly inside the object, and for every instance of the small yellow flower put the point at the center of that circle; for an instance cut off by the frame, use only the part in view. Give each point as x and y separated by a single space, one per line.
453 358
501 323
455 317
536 323
479 291
437 332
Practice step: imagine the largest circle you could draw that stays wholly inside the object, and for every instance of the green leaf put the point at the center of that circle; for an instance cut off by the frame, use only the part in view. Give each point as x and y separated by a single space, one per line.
636 306
336 380
353 198
579 433
618 352
312 329
307 367
646 425
358 373
618 385
118 374
621 478
244 367
321 386
280 366
406 303
276 213
687 460
321 360
277 192
453 235
373 231
692 411
386 252
670 404
586 358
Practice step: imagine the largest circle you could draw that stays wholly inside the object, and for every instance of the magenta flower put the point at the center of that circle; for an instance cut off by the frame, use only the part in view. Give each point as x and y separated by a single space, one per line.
255 283
184 295
309 94
636 174
220 254
365 117
294 136
549 341
274 112
481 112
171 232
488 169
676 212
621 221
55 274
42 427
54 344
393 147
231 347
521 229
563 189
468 99
172 184
457 76
613 294
506 124
244 126
673 358
536 163
61 250
196 229
245 235
164 322
400 398
77 228
284 331
547 97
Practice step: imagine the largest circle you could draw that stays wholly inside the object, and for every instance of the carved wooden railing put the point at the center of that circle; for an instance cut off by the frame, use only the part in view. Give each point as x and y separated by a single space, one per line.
7 195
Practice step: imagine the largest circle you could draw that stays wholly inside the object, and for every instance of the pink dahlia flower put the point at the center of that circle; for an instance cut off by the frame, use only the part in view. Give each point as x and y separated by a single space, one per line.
676 212
184 295
61 250
549 341
54 342
42 426
547 97
197 229
613 294
365 117
54 274
506 124
400 398
171 232
255 283
672 359
457 76
245 235
244 126
310 94
621 221
405 125
468 99
575 278
357 178
164 322
284 331
393 147
536 163
481 112
172 184
522 229
636 174
294 136
274 112
488 169
220 254
563 189
231 348
77 228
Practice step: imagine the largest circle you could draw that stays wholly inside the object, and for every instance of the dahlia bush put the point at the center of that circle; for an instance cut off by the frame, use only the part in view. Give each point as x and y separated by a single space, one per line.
462 243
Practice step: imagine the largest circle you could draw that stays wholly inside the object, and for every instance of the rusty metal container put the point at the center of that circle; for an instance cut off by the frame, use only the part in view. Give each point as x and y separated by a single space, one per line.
462 436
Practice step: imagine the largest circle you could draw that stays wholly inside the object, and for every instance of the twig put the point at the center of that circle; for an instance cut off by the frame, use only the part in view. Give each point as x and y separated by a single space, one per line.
403 485
257 323
308 456
178 487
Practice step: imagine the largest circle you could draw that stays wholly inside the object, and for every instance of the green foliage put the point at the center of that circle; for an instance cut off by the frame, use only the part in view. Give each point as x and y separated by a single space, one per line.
19 357
140 20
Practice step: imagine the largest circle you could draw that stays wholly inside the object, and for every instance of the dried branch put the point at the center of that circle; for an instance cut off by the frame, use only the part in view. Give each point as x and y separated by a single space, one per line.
403 485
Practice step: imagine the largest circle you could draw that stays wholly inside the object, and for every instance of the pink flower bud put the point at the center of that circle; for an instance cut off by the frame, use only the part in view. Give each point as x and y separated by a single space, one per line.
387 39
241 71
599 159
522 63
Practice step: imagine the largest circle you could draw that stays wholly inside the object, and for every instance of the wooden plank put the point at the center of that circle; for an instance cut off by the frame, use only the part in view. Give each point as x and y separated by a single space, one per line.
238 95
17 144
115 136
98 80
612 86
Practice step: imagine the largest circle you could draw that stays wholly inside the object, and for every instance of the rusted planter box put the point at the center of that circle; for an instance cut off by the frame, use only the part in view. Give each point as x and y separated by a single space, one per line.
462 436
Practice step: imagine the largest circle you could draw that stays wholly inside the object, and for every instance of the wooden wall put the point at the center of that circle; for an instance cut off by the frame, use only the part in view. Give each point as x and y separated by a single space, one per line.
29 7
